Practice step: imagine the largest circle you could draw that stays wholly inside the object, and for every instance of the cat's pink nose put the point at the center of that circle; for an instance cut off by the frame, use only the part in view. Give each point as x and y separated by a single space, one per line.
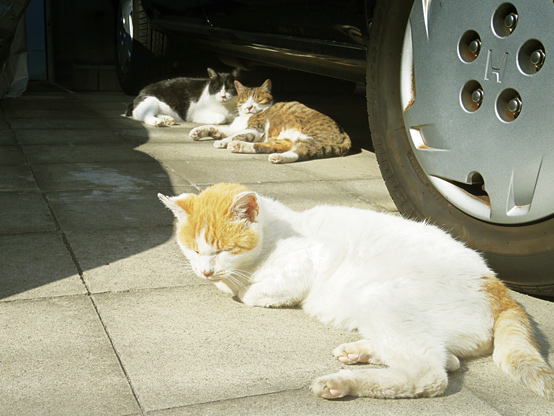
207 273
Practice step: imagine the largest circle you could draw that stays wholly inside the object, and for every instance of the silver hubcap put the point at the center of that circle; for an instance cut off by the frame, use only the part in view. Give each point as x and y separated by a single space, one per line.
478 96
125 34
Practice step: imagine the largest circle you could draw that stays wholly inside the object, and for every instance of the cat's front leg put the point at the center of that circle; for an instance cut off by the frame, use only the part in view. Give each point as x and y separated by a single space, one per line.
237 146
269 294
357 352
243 142
223 143
207 131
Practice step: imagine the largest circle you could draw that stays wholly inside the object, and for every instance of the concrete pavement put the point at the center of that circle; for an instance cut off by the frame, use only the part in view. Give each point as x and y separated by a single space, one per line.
99 313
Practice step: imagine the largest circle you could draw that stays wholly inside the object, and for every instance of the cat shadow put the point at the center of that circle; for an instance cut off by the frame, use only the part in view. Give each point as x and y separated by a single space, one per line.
297 307
542 341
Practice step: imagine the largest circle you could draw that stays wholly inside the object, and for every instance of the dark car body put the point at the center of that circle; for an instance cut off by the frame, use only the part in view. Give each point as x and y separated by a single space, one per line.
324 37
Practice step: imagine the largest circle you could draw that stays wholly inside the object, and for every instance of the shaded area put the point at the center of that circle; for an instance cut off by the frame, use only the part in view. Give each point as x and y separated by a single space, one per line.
69 166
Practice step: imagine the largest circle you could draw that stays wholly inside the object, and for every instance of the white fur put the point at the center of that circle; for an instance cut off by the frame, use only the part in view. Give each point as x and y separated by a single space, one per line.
237 127
155 113
291 134
217 109
413 292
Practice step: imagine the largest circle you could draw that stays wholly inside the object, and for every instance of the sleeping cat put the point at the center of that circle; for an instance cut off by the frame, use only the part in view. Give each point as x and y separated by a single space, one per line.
196 100
420 299
250 101
288 131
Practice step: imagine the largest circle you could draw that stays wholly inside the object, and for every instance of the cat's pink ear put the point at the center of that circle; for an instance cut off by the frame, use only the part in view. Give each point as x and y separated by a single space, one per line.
245 206
266 86
180 205
239 87
212 74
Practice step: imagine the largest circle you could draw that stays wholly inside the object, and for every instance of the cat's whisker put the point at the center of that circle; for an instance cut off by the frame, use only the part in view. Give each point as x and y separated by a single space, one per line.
238 279
242 275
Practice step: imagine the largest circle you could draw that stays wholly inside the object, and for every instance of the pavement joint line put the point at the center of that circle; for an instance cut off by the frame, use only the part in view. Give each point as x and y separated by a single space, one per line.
117 355
231 399
79 269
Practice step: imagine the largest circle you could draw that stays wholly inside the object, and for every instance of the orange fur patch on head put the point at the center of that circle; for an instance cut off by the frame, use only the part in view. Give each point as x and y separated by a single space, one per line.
209 214
261 95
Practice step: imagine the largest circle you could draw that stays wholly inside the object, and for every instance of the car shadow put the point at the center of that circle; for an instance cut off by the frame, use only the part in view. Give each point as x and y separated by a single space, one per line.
76 194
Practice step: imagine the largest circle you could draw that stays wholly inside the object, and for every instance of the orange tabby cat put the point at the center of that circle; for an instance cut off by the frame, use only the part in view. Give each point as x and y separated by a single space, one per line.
288 131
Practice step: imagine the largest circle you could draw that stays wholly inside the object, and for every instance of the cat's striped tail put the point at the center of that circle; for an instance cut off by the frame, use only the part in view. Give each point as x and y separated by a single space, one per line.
515 349
334 149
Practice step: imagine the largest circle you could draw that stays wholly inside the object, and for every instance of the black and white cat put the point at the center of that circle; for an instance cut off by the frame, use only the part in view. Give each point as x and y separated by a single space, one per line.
199 100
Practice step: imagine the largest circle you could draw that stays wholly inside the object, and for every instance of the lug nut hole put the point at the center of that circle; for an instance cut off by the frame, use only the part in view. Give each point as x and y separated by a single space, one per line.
472 96
531 57
505 19
509 105
469 46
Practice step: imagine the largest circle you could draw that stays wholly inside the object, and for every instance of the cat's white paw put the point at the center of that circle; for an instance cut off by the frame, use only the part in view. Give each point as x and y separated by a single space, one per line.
276 158
354 352
332 386
220 144
239 146
286 157
160 121
198 132
167 120
234 146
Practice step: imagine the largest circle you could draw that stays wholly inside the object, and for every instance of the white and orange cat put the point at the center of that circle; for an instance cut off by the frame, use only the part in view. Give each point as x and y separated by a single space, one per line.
420 299
287 131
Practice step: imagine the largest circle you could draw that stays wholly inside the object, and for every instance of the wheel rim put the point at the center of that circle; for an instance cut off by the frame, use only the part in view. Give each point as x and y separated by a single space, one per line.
125 34
478 105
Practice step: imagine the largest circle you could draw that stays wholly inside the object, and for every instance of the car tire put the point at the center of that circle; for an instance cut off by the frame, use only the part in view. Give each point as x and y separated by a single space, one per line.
520 251
139 49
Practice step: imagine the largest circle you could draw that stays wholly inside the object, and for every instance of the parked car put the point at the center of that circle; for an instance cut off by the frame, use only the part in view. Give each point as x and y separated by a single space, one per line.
459 94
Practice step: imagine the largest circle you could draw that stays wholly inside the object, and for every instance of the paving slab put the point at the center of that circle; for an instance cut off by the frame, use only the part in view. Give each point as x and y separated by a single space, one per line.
191 345
65 136
492 386
57 360
185 150
19 123
11 155
109 209
7 137
37 265
17 178
83 153
106 175
302 402
307 194
24 212
360 165
173 134
374 191
130 259
243 170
